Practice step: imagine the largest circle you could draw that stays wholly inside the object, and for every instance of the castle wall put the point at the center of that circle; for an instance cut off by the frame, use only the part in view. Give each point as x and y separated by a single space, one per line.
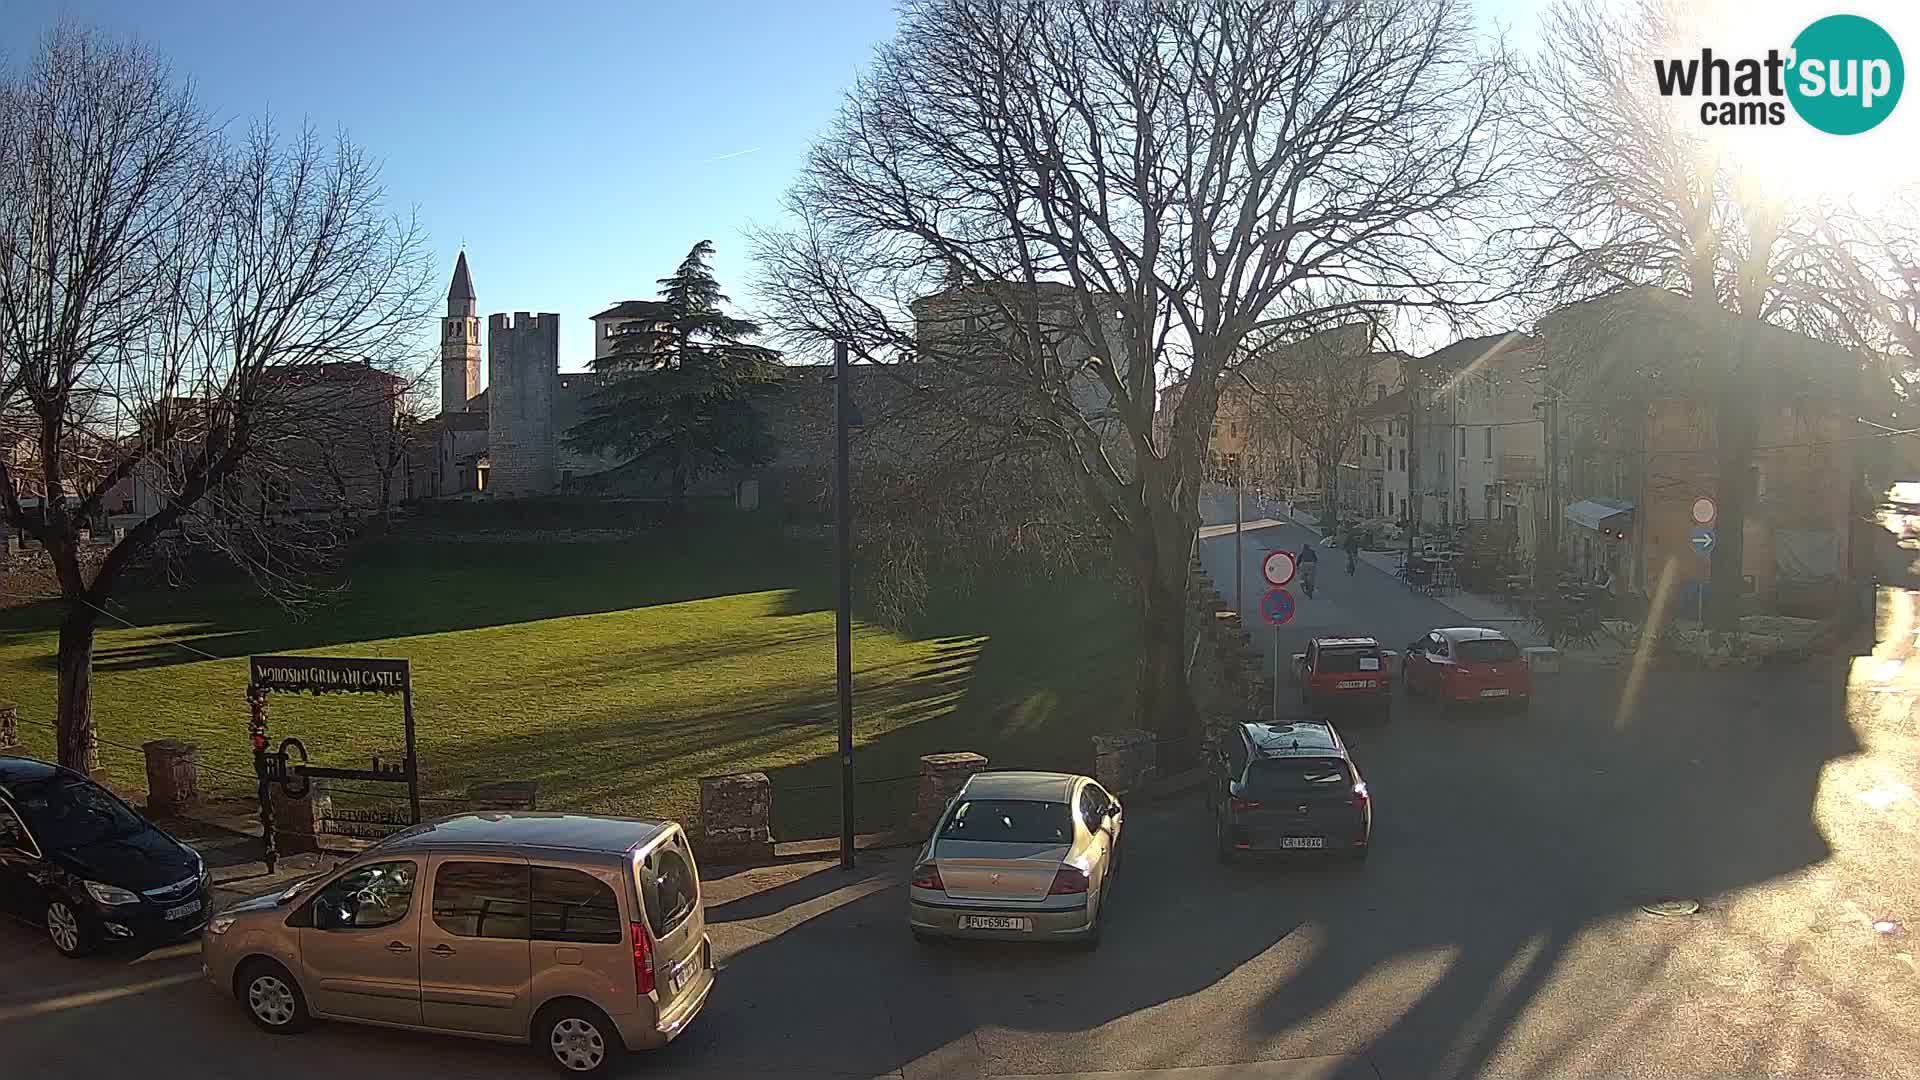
523 363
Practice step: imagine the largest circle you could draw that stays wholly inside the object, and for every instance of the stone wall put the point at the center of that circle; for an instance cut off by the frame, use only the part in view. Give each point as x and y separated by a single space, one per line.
1227 678
523 364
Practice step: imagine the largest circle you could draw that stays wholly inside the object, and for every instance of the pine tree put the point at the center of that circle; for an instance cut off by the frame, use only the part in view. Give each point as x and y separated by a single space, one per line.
679 402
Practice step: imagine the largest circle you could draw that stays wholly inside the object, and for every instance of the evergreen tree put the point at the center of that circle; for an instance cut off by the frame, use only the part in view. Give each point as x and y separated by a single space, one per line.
679 400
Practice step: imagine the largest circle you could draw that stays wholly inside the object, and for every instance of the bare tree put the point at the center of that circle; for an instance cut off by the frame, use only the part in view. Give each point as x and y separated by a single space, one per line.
1315 390
363 436
161 293
1106 192
1634 192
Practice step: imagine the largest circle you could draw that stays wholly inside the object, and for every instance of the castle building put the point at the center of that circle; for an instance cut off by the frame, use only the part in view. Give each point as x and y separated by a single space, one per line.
509 439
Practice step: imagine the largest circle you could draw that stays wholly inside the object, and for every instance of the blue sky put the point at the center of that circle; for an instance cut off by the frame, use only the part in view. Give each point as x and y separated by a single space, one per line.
577 148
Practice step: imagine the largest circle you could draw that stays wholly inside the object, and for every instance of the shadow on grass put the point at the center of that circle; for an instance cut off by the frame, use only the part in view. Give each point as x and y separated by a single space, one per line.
400 588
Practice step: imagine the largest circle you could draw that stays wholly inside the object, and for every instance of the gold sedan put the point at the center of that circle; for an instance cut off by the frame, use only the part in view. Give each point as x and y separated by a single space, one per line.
1020 856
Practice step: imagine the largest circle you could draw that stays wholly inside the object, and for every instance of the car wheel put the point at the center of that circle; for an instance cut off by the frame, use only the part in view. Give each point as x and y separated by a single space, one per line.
66 930
273 1000
577 1038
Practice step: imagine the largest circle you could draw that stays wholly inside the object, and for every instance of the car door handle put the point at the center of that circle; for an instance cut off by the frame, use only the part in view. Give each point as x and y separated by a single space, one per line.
443 950
399 947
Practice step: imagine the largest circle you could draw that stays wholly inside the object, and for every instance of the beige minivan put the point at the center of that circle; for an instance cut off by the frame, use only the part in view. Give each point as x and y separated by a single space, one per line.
576 933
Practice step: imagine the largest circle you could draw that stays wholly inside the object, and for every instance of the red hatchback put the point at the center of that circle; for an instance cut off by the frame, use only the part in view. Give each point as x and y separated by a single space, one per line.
1460 664
1344 673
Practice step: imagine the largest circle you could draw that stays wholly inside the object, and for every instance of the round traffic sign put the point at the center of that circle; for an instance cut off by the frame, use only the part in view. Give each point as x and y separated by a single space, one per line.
1277 606
1704 511
1279 567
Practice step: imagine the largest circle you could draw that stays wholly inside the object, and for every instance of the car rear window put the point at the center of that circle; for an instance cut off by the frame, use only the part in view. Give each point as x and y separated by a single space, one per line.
1286 777
1009 821
1486 651
1341 661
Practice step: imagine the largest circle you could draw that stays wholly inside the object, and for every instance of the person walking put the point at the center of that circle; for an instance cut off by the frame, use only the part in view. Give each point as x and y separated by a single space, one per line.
1353 549
1309 567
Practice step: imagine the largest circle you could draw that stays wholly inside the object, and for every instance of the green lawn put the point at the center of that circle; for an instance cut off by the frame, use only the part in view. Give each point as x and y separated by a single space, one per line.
614 674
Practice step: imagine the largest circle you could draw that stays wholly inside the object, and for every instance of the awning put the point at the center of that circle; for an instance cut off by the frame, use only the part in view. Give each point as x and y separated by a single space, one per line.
1590 513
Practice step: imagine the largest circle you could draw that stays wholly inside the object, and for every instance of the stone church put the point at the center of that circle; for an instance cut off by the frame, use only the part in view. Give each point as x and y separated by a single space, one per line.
508 440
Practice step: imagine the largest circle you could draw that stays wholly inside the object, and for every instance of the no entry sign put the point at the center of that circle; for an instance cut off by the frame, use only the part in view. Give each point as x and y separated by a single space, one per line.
1279 567
1277 606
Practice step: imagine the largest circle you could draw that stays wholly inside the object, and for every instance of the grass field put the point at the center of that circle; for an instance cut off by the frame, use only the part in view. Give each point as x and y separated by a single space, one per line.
614 674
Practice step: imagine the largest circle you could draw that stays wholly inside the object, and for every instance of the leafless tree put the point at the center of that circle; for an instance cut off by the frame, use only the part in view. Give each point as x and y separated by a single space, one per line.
1105 193
162 294
373 426
1633 191
1315 390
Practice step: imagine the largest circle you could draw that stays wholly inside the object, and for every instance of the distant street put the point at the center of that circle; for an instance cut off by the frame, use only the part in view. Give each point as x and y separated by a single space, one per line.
1496 931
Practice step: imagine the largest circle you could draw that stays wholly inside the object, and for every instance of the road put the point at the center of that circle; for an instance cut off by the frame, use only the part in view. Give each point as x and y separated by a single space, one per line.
1496 930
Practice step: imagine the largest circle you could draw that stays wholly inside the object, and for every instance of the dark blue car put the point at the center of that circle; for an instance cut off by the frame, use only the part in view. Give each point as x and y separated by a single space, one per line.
80 862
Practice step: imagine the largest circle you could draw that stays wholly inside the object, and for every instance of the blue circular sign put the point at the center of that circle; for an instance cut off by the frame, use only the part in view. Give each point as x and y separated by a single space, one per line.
1277 606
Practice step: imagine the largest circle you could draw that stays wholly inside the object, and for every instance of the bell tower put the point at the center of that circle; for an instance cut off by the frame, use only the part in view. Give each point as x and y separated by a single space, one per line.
460 343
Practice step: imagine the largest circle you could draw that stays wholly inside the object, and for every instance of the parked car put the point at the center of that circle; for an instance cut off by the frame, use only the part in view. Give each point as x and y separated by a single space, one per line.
1021 856
1289 788
580 934
1461 664
1344 673
77 860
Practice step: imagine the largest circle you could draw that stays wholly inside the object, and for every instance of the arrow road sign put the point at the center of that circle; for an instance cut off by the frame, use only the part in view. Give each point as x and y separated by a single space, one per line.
1279 567
1702 540
1277 606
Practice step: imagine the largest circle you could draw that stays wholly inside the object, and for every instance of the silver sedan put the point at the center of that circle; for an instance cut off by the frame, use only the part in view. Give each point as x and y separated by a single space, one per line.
1019 856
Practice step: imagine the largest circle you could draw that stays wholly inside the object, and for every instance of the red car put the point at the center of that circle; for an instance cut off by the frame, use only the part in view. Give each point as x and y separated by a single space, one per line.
1342 672
1458 664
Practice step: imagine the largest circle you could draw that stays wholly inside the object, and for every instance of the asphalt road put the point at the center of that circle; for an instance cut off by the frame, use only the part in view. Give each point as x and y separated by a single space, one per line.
1496 930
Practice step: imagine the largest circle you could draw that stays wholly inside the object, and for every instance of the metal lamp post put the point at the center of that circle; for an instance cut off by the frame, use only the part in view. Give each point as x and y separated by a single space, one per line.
846 417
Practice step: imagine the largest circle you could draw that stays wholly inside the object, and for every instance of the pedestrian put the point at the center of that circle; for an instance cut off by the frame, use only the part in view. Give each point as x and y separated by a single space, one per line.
1353 549
1309 567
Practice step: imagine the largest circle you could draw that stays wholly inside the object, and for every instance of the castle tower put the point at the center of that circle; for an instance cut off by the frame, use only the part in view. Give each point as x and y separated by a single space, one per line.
460 343
523 364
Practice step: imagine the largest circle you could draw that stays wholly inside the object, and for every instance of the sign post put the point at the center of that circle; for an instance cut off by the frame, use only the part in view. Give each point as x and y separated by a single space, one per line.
1277 608
1701 540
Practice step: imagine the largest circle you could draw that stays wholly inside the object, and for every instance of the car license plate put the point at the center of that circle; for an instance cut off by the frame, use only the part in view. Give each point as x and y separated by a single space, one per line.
1303 841
992 922
1493 693
183 910
682 975
1356 684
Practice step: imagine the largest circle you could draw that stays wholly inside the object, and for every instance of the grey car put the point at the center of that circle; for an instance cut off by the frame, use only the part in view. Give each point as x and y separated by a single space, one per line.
1288 788
1019 856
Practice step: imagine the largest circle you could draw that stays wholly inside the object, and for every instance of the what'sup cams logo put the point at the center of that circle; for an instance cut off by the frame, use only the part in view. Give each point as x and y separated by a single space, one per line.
1843 75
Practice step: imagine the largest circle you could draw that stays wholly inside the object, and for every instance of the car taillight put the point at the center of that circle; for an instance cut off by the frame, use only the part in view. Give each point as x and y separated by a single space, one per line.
642 961
1360 795
1241 806
927 876
1068 881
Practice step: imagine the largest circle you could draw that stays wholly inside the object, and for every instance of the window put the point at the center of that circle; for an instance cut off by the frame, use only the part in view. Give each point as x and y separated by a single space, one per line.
1403 459
1489 434
12 833
1437 645
70 813
1463 442
571 906
1009 821
1093 806
1489 651
1277 778
1379 391
669 890
370 897
481 899
1341 661
1237 757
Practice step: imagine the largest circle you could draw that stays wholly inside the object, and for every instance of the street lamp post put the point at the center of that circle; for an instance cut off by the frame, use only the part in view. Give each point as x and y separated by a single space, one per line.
843 615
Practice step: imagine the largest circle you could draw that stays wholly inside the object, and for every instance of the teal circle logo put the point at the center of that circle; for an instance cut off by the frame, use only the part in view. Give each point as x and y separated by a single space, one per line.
1847 74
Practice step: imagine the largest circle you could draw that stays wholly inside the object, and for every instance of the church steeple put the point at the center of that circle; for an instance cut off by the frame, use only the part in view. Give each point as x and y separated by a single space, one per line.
460 342
460 298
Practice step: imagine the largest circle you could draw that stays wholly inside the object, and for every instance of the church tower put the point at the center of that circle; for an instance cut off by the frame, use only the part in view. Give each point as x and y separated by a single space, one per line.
460 343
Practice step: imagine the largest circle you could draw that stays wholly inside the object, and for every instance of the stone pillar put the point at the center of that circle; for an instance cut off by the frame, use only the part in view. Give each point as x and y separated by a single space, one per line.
1123 760
941 777
736 818
9 726
505 795
298 823
173 776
